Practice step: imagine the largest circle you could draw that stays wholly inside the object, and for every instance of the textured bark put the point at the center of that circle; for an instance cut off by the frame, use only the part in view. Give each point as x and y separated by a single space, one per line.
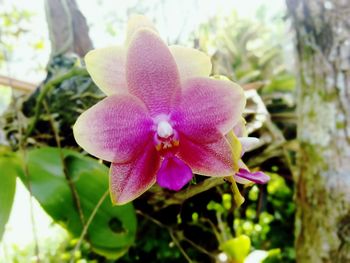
322 30
68 29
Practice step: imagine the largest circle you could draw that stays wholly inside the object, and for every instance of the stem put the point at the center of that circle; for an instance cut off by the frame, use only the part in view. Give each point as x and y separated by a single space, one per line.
71 185
199 248
180 197
171 233
239 199
86 226
177 243
22 148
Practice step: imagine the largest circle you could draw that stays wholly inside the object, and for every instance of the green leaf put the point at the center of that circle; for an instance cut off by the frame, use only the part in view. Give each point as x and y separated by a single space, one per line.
283 82
10 167
248 76
112 230
237 248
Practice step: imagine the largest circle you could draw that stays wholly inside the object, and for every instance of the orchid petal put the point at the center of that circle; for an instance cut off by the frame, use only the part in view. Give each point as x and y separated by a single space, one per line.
240 129
151 71
115 129
173 173
191 62
106 67
208 108
244 176
211 159
248 143
129 180
137 22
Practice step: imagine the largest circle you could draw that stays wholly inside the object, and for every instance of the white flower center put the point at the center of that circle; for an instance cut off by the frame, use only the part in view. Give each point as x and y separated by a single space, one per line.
164 129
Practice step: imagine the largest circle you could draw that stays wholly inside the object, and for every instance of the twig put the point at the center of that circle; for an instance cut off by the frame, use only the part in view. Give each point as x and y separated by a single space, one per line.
71 185
199 248
213 226
25 167
171 233
86 226
180 197
22 148
17 84
177 243
155 221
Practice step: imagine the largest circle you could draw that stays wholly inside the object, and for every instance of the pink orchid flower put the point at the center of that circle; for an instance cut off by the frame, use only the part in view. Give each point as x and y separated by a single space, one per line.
163 119
243 175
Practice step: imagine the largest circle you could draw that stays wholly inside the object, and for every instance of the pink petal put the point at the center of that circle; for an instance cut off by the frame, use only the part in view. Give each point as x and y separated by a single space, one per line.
173 173
208 108
137 22
244 175
107 69
151 71
129 180
210 159
191 62
242 180
115 129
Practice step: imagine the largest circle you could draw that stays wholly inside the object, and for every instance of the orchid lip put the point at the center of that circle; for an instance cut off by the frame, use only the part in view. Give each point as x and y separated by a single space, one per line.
167 145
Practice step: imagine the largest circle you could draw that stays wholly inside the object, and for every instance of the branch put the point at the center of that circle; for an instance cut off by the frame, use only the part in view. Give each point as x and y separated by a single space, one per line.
17 84
180 197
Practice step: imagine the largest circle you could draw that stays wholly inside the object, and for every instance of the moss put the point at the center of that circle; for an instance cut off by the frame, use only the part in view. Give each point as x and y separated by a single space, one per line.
314 155
340 125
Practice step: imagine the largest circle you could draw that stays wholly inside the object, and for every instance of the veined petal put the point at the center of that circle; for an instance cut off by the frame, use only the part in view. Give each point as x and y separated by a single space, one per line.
115 129
191 62
173 173
208 108
151 72
210 159
106 67
137 22
243 176
129 180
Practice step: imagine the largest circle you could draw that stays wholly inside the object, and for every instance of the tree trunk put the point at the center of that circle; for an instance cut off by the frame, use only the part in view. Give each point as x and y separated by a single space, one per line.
322 30
68 29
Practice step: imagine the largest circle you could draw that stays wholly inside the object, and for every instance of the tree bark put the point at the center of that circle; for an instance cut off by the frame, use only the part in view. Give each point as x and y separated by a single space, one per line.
322 30
67 27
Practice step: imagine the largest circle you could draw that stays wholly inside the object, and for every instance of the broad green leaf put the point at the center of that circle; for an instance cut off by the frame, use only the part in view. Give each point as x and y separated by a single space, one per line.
10 167
112 230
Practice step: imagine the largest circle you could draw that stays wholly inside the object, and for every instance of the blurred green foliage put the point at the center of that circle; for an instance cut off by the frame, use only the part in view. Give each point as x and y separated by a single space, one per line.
248 51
